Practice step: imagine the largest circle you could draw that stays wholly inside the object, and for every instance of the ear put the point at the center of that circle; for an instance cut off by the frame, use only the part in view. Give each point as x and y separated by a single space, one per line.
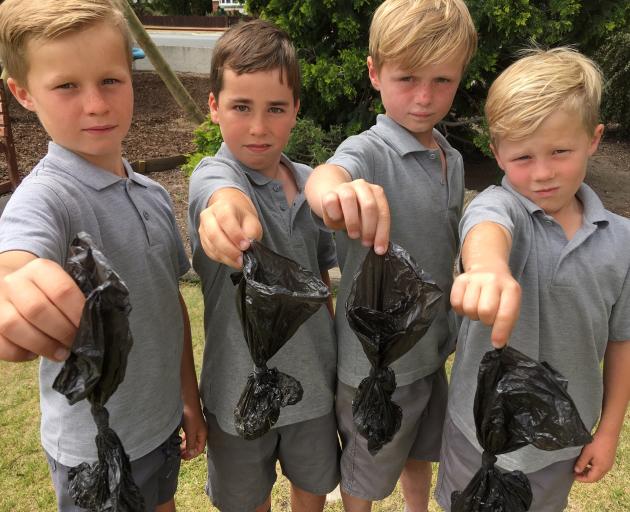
373 73
213 103
495 152
21 94
597 137
296 109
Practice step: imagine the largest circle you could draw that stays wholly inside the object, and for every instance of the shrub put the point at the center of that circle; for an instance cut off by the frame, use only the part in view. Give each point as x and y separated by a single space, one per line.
614 59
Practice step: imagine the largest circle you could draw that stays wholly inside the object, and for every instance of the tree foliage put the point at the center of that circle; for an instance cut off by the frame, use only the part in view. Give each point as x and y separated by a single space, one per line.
332 36
614 58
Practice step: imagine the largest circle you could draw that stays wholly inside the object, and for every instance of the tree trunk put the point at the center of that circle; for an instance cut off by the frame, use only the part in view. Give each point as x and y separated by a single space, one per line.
169 78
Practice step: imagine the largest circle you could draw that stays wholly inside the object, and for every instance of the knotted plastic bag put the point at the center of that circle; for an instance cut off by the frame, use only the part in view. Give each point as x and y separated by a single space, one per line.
519 401
274 297
391 305
94 369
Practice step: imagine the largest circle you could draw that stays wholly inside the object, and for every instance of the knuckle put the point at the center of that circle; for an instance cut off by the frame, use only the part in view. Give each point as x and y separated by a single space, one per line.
62 293
9 321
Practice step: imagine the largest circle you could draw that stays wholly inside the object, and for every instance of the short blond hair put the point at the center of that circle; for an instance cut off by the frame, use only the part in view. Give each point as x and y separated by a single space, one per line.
417 33
539 84
23 21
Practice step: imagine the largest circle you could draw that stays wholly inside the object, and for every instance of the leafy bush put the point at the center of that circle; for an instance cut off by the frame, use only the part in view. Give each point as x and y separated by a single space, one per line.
309 144
614 58
332 38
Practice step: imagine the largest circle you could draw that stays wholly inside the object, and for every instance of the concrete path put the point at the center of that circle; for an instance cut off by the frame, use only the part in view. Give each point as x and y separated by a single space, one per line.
186 51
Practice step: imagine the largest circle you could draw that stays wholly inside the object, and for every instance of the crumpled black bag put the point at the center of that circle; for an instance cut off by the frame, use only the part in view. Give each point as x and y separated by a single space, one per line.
391 305
519 401
274 297
94 369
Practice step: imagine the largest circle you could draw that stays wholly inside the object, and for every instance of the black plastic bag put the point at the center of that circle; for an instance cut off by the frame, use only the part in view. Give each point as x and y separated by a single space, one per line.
94 369
519 401
390 307
274 297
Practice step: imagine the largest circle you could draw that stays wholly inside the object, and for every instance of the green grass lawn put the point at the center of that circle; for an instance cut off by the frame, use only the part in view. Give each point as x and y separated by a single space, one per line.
25 484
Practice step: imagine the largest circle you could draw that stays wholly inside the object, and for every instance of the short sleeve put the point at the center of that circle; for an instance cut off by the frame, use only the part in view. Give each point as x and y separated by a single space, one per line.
210 175
356 156
492 205
619 323
182 257
36 220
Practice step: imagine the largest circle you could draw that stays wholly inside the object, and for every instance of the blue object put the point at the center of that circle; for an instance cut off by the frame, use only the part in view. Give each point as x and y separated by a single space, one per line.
137 53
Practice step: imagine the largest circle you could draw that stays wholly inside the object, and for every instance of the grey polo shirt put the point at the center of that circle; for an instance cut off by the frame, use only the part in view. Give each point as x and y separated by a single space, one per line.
575 298
425 210
131 220
310 355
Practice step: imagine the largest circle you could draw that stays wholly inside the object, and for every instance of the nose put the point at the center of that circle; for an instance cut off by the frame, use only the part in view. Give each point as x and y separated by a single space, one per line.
543 171
257 125
95 102
423 93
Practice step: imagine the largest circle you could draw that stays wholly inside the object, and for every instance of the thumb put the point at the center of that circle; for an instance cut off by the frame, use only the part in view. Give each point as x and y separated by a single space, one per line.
582 461
251 227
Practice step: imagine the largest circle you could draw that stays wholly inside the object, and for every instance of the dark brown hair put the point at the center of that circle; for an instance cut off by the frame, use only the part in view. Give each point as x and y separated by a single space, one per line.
252 46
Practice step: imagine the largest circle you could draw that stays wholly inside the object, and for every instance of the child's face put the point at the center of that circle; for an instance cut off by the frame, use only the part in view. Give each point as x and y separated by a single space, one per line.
417 99
256 114
80 87
549 166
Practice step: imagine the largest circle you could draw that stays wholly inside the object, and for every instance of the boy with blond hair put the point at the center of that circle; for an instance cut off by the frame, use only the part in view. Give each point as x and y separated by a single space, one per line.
69 62
251 190
419 50
543 243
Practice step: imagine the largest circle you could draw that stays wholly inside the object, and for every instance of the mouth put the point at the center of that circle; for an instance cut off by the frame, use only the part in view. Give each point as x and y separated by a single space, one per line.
421 115
546 192
257 148
100 129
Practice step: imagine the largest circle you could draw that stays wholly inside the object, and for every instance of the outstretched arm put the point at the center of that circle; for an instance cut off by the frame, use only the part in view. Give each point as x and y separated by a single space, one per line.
486 290
357 206
40 308
227 225
598 456
195 430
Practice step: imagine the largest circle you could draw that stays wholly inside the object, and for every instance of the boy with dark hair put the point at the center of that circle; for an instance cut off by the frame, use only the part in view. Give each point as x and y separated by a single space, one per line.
250 190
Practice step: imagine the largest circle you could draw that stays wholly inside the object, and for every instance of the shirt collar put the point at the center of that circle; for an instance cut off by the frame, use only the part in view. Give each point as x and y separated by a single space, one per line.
401 139
256 177
87 173
594 211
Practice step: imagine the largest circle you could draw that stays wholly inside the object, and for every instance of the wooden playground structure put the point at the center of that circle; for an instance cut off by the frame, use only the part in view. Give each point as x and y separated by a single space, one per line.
6 146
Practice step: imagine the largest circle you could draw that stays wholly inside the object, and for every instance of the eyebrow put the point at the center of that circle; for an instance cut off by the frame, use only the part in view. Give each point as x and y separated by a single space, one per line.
272 103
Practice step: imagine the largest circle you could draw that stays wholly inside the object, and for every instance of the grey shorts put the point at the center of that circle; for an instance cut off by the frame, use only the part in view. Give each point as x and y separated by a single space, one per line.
374 477
155 474
241 473
460 460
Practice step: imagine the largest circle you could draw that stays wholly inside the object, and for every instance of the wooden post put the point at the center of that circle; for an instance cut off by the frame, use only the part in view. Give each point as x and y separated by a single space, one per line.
6 145
167 75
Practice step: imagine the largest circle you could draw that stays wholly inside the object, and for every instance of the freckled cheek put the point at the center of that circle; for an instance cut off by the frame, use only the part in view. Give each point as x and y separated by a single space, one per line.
518 177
